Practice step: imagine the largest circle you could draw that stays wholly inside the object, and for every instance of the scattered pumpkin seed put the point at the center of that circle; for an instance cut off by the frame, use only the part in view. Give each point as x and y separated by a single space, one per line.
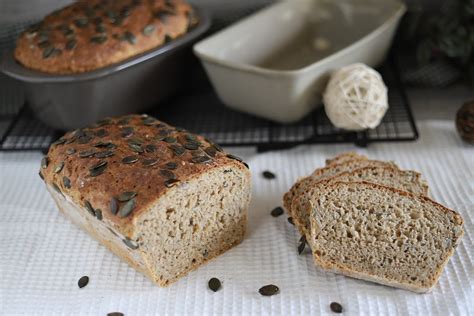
150 148
178 150
130 159
336 307
269 290
211 151
171 165
99 39
81 22
268 175
302 245
129 37
127 208
67 182
100 28
113 205
59 167
214 284
41 175
83 281
89 207
148 30
190 138
167 174
171 182
70 140
150 162
71 44
191 145
87 153
126 196
59 141
70 151
84 139
201 159
170 139
98 168
290 220
277 211
238 159
148 121
44 162
126 131
104 154
98 214
105 145
130 243
135 147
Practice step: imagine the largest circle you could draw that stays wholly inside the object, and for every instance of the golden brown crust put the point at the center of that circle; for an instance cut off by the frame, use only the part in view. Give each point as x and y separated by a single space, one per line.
165 156
91 34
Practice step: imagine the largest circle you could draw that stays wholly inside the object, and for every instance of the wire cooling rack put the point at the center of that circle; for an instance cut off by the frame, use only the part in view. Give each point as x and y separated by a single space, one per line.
198 109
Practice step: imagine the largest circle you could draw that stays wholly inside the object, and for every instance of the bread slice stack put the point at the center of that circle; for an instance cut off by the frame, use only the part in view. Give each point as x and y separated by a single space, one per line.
371 220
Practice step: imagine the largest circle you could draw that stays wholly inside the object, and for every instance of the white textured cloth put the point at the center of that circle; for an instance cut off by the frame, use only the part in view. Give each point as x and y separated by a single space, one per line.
42 255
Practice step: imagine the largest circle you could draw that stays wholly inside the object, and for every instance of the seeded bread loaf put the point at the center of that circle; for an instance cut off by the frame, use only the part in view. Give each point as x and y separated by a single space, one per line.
162 199
91 34
405 180
382 234
344 157
330 170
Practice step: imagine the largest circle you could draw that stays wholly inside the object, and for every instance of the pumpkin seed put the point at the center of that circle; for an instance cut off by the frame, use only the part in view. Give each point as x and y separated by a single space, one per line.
201 159
135 147
268 175
70 151
336 307
87 153
290 220
100 28
171 165
219 148
84 139
167 174
127 208
170 139
81 22
130 243
150 148
103 122
98 214
89 207
277 211
148 30
136 141
214 284
126 196
105 154
178 150
148 121
238 159
99 39
129 37
269 290
126 131
191 146
114 206
115 314
98 168
171 182
83 281
150 162
51 52
44 162
211 151
70 140
302 245
41 175
67 182
105 145
71 44
190 138
101 133
59 167
130 159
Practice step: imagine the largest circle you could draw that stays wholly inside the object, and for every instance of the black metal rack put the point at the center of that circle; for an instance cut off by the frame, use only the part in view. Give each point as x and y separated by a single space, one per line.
198 109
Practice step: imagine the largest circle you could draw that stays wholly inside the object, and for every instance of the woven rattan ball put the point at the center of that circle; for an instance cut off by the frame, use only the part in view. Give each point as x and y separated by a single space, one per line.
355 98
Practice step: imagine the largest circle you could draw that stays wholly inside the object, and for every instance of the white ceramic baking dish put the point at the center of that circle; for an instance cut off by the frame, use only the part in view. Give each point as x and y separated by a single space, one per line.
275 63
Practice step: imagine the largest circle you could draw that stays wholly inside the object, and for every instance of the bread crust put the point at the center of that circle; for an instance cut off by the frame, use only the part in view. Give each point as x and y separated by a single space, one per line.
337 268
91 34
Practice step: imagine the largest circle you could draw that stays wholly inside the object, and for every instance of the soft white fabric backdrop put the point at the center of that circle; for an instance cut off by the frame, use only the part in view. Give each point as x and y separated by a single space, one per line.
42 255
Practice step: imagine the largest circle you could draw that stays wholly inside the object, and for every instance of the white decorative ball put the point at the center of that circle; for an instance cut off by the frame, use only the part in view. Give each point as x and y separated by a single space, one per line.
355 98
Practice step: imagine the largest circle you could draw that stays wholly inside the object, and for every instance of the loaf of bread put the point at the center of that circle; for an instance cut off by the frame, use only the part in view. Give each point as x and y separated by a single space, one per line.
161 198
91 34
405 180
382 234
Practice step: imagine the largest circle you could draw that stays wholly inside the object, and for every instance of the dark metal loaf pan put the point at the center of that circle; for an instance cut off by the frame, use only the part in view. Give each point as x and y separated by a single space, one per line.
73 101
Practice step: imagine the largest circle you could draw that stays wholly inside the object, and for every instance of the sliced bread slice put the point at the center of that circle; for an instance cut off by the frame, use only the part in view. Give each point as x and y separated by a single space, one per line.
344 157
405 180
382 234
326 172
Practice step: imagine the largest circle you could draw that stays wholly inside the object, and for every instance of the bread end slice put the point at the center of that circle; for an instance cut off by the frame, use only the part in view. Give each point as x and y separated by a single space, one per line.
382 234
